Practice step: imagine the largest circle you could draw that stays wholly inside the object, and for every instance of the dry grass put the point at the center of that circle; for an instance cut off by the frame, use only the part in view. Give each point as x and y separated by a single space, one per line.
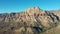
55 30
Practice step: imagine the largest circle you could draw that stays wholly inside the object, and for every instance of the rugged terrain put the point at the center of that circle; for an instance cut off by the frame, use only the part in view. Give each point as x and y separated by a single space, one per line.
31 21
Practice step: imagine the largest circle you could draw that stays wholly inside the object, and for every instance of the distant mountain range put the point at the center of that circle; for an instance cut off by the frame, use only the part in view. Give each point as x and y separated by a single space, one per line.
31 21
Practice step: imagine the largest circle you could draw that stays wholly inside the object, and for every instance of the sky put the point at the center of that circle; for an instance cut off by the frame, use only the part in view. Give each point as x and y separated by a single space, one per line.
8 6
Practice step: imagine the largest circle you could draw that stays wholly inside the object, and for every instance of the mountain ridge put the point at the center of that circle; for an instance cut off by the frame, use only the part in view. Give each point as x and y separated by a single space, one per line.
32 21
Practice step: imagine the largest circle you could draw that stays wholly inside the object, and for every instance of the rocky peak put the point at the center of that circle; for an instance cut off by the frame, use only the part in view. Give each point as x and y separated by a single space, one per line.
34 9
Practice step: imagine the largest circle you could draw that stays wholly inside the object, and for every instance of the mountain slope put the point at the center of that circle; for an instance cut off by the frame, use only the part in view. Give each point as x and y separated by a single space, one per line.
32 21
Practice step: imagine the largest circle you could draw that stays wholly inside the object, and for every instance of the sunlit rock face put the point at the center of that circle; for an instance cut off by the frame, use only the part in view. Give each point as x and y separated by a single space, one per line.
32 21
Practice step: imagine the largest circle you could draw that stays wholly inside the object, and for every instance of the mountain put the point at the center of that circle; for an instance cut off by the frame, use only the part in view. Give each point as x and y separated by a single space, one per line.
31 21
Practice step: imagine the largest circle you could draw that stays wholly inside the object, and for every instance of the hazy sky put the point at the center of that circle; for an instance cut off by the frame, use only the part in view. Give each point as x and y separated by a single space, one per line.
7 6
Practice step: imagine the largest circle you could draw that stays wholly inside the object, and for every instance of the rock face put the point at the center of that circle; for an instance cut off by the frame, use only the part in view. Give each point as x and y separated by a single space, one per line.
32 21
